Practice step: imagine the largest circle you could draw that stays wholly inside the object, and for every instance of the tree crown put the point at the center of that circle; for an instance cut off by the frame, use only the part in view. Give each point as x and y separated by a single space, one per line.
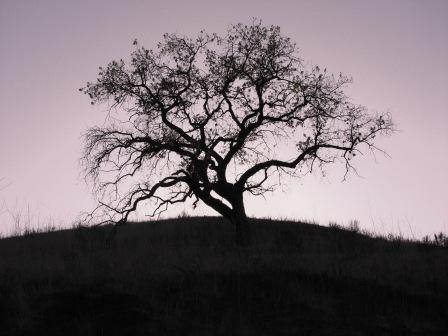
216 116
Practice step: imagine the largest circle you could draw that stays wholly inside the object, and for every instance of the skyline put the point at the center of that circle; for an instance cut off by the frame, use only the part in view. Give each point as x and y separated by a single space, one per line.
394 51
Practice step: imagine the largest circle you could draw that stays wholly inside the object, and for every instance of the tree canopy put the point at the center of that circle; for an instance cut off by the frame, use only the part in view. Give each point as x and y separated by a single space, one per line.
213 117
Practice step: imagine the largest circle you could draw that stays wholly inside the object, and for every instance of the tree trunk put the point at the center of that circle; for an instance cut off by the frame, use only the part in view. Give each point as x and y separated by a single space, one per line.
240 221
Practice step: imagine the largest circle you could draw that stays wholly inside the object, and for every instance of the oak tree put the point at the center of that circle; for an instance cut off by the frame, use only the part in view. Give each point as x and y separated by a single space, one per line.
214 117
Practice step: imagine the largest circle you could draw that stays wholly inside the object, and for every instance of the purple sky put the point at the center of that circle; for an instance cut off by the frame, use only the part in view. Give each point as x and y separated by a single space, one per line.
396 52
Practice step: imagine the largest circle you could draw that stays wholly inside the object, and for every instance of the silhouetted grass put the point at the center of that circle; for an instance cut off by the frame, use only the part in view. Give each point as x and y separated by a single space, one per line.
186 277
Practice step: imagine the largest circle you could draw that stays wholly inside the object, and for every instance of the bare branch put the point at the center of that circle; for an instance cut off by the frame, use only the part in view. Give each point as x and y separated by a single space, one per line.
214 117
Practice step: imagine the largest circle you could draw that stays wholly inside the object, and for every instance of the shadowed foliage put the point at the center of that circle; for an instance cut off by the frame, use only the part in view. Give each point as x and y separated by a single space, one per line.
214 117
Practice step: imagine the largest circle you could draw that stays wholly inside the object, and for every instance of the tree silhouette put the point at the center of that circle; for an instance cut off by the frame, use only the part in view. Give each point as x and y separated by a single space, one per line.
217 116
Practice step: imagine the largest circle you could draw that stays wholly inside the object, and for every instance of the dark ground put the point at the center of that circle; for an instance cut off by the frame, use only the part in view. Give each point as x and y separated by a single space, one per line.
186 277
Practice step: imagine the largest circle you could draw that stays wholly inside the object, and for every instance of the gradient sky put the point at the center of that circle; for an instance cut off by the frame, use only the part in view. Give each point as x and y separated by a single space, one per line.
396 51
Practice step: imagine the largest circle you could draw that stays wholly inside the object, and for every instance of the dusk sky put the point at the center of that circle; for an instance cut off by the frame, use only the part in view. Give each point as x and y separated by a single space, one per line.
396 52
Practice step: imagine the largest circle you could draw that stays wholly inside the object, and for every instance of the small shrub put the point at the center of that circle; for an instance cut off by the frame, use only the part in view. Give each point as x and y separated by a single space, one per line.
183 214
335 226
353 226
439 240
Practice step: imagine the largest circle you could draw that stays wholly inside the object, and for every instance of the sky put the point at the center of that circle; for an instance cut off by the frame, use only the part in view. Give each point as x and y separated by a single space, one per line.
396 52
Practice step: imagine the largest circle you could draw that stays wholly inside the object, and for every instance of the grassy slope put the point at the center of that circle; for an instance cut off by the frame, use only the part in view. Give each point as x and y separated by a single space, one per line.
185 277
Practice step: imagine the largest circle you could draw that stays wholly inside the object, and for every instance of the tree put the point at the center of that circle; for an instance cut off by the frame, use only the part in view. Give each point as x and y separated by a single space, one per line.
213 117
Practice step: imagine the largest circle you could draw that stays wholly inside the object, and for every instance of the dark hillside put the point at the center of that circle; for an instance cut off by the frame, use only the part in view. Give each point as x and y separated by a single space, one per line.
186 277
